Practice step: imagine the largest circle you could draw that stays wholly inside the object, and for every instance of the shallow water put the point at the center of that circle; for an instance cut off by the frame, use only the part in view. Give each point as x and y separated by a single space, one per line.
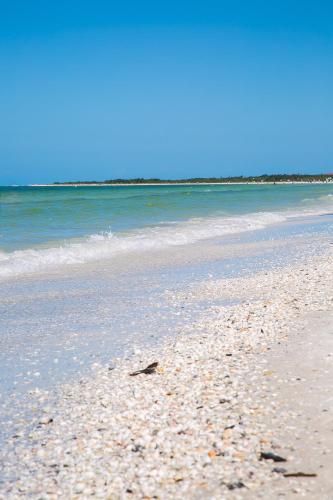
45 228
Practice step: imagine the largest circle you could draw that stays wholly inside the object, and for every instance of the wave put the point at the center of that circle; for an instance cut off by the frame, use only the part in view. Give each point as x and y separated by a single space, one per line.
107 245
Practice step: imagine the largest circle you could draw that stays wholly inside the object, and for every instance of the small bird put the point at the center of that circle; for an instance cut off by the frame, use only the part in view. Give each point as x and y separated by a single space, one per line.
147 371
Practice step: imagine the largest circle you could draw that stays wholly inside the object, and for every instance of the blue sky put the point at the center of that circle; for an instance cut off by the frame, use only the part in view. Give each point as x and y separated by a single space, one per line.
97 90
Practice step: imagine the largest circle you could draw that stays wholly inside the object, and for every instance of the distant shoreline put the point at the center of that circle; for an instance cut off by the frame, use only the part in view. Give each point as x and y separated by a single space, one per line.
323 178
103 184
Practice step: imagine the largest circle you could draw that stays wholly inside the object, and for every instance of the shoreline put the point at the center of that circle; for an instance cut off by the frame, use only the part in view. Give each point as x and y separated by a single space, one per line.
100 184
150 435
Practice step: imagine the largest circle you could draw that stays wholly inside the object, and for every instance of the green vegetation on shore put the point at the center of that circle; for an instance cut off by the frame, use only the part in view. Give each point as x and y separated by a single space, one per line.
198 180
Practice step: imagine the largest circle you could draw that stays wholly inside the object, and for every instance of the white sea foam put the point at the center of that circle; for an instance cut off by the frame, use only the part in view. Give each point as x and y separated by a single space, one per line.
106 245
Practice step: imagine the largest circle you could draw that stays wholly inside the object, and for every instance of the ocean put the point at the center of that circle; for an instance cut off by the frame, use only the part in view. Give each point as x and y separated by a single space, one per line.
48 228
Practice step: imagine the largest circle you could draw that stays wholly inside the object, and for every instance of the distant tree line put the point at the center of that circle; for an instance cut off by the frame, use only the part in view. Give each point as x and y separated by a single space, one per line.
216 180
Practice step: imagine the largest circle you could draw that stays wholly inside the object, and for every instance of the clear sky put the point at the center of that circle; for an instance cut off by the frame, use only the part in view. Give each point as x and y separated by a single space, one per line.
97 90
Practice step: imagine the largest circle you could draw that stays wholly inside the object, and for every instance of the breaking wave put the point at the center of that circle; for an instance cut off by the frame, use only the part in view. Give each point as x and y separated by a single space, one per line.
107 245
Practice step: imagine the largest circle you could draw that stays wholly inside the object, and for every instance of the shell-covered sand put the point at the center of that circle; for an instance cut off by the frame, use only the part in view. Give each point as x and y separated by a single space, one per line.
197 426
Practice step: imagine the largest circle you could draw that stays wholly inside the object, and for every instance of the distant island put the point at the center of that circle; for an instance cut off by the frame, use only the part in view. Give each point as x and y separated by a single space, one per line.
266 178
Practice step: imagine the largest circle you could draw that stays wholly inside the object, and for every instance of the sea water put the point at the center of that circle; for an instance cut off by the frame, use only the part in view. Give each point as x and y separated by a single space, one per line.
44 228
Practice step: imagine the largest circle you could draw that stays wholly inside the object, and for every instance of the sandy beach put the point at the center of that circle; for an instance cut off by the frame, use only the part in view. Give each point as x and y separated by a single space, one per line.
239 400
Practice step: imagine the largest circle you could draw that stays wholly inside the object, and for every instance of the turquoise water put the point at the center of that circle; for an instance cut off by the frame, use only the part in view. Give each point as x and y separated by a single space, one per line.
42 227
